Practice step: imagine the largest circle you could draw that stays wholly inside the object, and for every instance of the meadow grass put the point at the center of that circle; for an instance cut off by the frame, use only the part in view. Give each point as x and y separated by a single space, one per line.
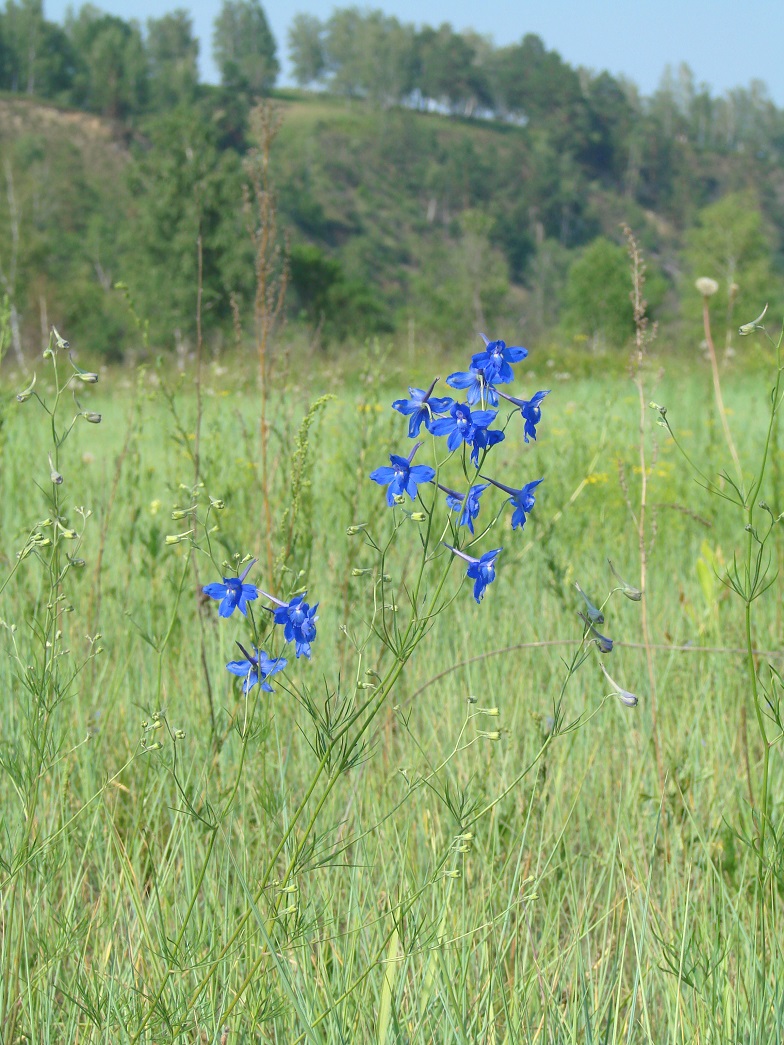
456 888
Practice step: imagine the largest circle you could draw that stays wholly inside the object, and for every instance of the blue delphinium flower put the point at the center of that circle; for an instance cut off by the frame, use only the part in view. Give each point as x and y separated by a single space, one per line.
402 477
530 410
256 668
462 424
495 360
477 387
484 438
233 593
481 571
422 406
299 623
522 500
466 504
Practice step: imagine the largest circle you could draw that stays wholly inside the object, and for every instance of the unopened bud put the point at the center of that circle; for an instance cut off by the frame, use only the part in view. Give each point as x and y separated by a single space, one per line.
54 475
418 517
177 538
61 342
179 734
217 504
366 685
93 418
182 513
352 531
492 712
357 572
22 397
76 563
494 734
86 376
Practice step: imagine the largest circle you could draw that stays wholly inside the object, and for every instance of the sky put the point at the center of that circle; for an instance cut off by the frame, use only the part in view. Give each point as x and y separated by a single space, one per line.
727 44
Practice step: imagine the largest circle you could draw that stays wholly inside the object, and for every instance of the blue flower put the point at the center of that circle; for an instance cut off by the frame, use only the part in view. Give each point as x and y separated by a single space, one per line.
466 504
421 407
299 621
478 388
462 425
495 360
481 571
522 500
484 438
256 668
401 477
233 593
530 410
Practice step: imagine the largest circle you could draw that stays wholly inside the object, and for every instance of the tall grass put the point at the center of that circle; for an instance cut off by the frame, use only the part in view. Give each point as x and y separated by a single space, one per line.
435 903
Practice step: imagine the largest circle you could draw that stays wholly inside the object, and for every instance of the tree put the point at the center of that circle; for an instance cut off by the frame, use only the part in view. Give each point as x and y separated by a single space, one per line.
306 49
729 243
35 55
183 185
244 47
597 294
172 54
112 77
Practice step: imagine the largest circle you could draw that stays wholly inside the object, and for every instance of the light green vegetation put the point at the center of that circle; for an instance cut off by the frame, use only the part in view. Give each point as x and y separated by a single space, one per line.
586 906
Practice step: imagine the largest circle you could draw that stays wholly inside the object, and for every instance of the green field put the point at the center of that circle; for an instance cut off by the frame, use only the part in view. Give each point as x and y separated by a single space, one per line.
472 875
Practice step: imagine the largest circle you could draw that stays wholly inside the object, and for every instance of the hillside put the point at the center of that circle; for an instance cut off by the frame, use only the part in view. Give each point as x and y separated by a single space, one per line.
398 222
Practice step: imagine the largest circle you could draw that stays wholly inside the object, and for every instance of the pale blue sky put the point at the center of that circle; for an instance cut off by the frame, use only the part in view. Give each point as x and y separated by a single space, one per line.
726 43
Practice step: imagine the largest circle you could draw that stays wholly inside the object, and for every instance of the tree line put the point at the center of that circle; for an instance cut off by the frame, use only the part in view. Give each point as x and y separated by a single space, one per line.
104 64
455 176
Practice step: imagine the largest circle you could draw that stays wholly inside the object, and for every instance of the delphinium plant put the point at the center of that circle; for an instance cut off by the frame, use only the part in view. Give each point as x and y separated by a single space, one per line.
447 510
750 490
47 655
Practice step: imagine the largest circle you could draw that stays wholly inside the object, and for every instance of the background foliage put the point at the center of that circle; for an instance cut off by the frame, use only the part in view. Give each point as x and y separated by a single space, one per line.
421 168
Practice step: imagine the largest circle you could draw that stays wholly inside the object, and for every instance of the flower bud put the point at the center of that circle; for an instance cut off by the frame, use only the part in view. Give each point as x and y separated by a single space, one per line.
61 342
54 475
217 504
747 328
93 418
492 712
352 531
86 376
177 538
22 397
706 286
494 734
418 517
357 572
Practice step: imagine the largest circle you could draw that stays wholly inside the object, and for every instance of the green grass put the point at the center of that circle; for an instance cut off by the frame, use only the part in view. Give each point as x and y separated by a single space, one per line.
586 906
